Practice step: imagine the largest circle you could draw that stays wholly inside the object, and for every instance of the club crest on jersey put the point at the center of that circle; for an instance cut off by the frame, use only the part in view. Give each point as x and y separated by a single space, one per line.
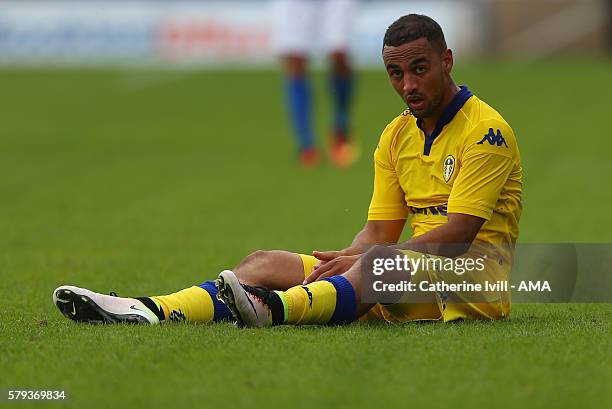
449 167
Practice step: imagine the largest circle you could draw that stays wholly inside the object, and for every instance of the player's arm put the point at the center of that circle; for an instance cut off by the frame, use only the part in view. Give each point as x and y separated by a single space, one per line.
485 168
386 217
374 232
450 240
484 172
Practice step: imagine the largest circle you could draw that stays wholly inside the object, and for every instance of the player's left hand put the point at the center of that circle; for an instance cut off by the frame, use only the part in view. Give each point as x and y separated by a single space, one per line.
336 266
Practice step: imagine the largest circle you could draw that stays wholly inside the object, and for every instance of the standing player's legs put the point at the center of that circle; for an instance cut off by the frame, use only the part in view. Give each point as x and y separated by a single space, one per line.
337 17
292 37
341 87
274 269
298 96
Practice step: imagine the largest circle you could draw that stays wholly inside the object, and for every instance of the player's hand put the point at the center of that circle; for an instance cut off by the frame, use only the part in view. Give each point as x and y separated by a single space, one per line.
327 256
333 267
330 255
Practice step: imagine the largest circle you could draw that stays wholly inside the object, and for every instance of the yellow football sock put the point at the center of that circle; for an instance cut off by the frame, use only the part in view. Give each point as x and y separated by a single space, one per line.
314 303
192 304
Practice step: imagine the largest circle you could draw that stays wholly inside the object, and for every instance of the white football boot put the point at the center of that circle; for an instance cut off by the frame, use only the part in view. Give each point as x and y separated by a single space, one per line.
82 305
249 305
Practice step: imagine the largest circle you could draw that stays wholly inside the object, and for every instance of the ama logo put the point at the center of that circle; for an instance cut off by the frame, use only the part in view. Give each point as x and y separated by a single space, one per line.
449 167
494 138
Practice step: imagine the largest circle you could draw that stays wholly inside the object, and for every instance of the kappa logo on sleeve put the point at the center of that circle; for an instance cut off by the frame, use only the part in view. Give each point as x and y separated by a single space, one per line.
494 138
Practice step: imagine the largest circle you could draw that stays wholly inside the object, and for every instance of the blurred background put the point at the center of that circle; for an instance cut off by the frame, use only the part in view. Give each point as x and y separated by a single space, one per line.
145 137
145 146
213 33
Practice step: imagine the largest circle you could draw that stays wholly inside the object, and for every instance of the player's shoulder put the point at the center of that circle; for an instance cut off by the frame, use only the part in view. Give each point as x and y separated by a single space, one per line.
481 115
386 150
396 127
488 128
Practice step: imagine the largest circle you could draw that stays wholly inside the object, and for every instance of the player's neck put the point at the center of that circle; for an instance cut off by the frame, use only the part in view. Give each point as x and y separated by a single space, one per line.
429 123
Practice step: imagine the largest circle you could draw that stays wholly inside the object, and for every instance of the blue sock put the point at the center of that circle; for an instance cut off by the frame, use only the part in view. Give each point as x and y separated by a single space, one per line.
346 304
342 92
299 99
222 313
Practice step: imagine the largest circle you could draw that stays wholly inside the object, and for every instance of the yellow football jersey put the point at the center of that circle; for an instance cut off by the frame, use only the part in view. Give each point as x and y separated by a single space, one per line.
470 164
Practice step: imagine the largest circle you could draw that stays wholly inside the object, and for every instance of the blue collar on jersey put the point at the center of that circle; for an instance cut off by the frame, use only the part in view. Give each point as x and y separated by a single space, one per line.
449 113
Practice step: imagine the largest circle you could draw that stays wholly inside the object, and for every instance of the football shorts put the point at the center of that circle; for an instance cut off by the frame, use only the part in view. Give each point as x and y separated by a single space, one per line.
300 26
433 305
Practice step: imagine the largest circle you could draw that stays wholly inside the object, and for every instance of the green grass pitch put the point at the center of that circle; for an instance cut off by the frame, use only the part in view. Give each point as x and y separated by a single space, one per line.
148 182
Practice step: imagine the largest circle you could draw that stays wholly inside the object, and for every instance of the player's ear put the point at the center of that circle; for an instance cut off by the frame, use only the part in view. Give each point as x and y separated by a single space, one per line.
447 60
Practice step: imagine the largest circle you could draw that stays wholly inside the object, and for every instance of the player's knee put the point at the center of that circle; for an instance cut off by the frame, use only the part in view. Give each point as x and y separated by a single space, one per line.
254 267
257 257
295 65
340 63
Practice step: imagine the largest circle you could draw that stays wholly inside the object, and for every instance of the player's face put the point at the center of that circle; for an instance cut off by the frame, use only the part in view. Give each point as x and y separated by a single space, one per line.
419 74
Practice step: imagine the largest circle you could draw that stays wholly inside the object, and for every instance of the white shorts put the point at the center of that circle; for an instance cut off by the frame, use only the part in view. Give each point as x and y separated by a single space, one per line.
302 26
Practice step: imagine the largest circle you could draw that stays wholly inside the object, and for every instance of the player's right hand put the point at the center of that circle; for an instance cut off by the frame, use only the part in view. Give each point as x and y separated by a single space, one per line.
327 255
335 266
330 255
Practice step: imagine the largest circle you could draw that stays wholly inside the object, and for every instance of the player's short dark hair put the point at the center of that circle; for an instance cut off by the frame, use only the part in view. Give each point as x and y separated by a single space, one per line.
412 27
